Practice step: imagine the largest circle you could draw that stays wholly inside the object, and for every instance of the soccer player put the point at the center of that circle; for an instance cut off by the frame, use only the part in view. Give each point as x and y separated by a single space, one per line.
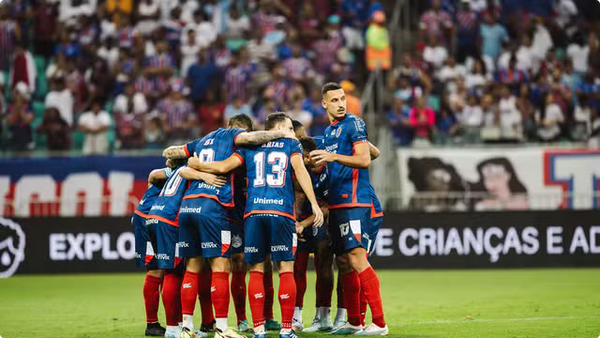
312 239
206 229
145 242
164 215
347 157
269 219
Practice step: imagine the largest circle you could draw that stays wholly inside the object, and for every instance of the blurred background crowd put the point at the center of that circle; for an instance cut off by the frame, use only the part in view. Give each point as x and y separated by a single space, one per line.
131 74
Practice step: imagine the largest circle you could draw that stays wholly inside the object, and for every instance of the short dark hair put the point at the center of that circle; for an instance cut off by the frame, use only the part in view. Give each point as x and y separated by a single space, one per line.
274 119
177 162
308 144
330 86
297 125
241 121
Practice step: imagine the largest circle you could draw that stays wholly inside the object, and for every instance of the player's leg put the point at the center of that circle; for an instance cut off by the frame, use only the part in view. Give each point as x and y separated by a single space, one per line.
300 268
324 284
152 285
238 276
372 236
256 248
205 298
340 315
270 323
168 260
284 243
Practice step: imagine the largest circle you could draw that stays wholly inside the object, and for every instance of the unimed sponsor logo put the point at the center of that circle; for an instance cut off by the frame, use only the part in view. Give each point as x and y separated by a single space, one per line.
87 246
151 221
209 245
250 249
189 210
278 248
157 207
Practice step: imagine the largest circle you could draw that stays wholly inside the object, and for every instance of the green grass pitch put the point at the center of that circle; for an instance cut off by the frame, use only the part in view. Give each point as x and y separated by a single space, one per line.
418 304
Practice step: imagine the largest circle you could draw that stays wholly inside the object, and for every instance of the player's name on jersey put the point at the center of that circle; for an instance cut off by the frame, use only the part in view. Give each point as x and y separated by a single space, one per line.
273 144
260 200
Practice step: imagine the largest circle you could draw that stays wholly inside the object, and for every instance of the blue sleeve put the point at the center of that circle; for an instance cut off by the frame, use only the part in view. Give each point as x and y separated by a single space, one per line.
234 132
295 147
240 153
190 147
357 130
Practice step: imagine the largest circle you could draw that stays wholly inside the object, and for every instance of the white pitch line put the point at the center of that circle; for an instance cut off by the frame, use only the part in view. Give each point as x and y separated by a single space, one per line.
468 321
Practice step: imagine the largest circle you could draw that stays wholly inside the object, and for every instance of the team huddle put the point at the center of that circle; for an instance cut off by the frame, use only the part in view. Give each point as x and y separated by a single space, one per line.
239 200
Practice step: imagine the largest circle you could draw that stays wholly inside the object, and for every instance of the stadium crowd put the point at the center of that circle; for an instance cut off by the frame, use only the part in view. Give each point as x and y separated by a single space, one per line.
82 73
499 71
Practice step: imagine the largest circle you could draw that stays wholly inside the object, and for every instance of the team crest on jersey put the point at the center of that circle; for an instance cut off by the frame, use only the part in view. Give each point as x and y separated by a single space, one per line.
12 247
332 133
338 132
236 241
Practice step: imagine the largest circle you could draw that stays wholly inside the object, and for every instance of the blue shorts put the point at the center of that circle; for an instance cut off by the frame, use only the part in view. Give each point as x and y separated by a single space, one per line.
268 234
204 229
349 228
372 233
311 235
237 236
167 253
145 242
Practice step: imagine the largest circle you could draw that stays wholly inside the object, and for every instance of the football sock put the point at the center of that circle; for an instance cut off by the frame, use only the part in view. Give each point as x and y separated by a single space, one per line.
370 283
220 298
152 297
256 298
189 290
171 298
351 288
287 298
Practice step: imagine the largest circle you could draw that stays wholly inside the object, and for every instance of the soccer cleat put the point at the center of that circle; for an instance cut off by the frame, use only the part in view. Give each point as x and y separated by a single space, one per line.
338 323
289 334
208 327
297 325
272 325
228 334
346 329
155 330
259 335
320 324
373 330
175 334
186 333
200 334
244 326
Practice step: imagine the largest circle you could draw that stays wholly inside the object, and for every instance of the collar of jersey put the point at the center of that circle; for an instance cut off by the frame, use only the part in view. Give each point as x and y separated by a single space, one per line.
340 120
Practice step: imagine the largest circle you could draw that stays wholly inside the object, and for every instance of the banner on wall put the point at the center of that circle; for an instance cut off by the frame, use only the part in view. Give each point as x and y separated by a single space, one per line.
69 187
499 179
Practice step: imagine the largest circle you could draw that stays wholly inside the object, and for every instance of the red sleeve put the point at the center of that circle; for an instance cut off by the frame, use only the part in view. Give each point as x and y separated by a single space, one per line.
235 139
187 153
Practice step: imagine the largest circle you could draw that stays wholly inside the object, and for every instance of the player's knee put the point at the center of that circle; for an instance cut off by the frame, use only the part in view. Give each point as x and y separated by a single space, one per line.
358 259
194 264
219 264
157 273
237 263
260 266
343 264
285 266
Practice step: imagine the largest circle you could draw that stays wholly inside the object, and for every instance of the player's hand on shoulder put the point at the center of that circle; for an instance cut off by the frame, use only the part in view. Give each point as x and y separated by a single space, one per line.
318 215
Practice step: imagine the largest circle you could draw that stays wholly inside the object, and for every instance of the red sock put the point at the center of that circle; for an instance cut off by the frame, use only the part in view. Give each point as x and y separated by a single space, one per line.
340 292
363 306
151 297
189 290
171 298
238 292
370 283
287 298
256 297
204 296
220 293
300 266
269 294
351 287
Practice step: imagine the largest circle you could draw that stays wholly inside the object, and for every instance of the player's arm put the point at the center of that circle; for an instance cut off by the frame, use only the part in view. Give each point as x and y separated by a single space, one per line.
156 175
195 175
305 182
175 152
361 158
374 151
220 167
258 137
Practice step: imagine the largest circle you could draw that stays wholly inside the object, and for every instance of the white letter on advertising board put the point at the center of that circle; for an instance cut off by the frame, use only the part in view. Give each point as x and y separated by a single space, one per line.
58 247
531 245
579 241
554 240
93 243
124 240
383 244
493 251
403 246
107 253
594 232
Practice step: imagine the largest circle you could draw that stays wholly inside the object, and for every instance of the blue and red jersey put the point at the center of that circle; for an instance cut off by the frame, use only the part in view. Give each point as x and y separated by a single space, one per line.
348 187
147 201
167 203
216 146
269 173
376 210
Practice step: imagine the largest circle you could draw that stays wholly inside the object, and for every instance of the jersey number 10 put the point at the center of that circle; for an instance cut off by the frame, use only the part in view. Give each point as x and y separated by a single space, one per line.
278 161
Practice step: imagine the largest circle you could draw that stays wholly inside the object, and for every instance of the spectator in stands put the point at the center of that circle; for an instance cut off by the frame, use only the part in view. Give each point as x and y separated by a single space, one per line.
19 119
237 26
436 22
467 31
327 47
512 76
200 76
147 15
61 98
162 63
492 36
179 119
98 81
542 40
299 114
189 50
353 104
278 86
236 107
109 52
471 120
399 119
210 113
2 98
435 53
509 116
94 124
313 104
259 49
528 110
46 13
422 119
458 98
206 32
450 72
477 77
56 130
550 121
11 32
298 68
447 125
153 133
23 68
582 119
378 49
579 51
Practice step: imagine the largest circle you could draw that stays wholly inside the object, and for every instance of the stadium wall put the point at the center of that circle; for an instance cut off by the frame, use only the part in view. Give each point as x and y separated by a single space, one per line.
407 240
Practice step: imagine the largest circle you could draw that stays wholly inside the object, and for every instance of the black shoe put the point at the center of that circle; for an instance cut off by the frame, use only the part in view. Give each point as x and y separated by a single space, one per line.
208 327
155 330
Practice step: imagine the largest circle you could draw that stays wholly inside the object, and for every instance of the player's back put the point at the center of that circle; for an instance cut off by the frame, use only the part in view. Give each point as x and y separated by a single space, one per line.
216 146
269 173
166 205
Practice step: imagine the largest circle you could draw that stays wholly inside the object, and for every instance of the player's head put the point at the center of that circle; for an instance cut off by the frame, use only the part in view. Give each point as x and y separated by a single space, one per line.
175 162
308 145
334 100
241 121
299 129
280 121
